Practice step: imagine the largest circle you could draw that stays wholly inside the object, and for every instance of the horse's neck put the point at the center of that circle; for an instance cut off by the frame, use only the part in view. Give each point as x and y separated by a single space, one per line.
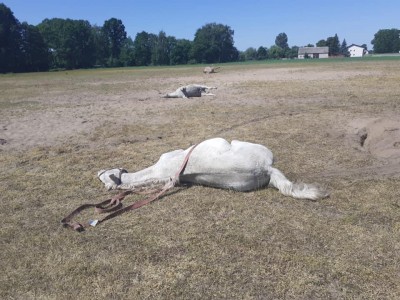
172 95
177 94
159 173
141 178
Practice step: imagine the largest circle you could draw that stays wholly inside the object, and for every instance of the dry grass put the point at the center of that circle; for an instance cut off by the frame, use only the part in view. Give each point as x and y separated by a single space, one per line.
201 243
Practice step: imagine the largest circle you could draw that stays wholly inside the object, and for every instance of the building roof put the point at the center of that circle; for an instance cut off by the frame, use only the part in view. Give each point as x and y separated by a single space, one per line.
313 50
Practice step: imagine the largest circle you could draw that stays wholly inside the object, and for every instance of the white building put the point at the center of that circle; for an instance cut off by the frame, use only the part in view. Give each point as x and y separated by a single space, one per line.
356 51
313 52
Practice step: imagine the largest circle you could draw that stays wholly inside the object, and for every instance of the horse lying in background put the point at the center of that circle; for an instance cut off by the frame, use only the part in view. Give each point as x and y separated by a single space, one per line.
209 70
191 90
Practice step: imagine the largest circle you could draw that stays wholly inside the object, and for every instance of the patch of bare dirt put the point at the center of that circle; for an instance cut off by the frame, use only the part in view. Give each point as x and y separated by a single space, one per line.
379 136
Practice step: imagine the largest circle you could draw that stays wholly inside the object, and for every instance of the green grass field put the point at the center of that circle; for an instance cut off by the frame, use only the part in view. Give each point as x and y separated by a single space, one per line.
60 128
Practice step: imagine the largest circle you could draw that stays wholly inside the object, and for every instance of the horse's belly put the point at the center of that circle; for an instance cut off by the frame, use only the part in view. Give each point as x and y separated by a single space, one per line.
237 181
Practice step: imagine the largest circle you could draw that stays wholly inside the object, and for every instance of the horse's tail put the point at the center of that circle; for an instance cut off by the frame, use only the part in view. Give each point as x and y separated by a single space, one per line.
296 190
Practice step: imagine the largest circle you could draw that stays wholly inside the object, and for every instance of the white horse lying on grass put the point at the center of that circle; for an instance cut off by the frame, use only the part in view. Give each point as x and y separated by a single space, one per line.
191 90
240 166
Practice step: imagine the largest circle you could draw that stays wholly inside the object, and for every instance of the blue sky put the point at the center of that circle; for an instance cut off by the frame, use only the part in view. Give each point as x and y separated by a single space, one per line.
255 23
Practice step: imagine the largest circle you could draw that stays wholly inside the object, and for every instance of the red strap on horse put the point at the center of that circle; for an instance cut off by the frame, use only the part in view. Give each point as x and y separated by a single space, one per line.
113 205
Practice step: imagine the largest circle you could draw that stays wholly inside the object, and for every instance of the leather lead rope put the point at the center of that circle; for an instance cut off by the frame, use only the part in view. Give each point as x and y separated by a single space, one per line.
114 205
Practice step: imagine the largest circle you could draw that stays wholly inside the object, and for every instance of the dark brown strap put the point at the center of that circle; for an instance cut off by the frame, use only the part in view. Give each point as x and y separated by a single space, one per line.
105 206
114 204
183 166
135 205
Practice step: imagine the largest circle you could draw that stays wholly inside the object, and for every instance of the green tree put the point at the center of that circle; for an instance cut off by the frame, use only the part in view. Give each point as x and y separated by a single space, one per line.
10 37
161 50
281 41
34 51
275 52
180 52
333 44
22 48
250 54
127 55
142 49
321 43
101 49
81 45
52 32
115 35
262 53
71 42
386 41
293 52
343 49
242 56
213 43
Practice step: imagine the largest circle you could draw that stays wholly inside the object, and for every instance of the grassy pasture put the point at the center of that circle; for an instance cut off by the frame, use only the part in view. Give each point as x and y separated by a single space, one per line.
200 243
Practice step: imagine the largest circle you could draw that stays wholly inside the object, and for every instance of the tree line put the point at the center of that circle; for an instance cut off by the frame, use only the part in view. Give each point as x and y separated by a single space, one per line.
72 44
